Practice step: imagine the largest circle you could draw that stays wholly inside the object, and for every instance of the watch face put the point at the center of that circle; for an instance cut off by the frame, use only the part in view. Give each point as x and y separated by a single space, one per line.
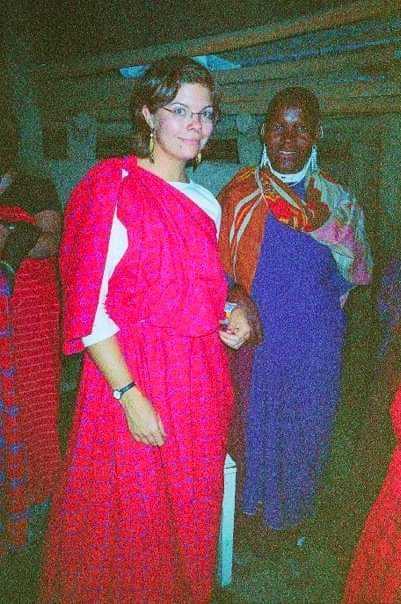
117 394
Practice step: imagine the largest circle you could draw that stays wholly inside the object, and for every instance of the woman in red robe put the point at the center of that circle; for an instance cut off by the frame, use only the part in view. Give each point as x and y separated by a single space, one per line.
137 514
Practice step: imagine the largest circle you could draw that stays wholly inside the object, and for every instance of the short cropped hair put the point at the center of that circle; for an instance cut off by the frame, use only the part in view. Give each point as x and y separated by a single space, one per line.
299 97
158 86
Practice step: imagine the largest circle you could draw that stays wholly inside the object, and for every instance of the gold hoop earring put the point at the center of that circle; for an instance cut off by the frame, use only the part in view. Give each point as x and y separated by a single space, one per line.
198 159
151 146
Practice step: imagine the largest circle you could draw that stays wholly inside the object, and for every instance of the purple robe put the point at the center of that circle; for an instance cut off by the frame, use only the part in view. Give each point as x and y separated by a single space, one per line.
295 380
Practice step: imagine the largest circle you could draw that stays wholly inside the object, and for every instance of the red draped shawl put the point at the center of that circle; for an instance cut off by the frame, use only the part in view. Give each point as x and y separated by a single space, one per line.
189 304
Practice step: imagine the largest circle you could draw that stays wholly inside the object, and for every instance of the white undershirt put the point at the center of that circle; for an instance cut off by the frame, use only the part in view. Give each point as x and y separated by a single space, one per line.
103 326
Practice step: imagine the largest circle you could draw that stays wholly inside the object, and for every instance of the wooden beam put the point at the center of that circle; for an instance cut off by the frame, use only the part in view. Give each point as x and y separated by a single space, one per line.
339 106
266 90
380 58
335 17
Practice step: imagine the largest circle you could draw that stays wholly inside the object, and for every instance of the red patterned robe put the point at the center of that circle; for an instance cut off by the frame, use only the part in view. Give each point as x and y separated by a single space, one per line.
134 523
375 574
29 386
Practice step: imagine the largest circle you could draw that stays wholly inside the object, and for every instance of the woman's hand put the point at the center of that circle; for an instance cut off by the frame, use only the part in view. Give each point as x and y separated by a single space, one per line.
238 329
239 296
144 423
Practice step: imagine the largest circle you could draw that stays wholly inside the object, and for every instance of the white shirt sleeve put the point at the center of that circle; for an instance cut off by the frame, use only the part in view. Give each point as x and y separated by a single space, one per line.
103 326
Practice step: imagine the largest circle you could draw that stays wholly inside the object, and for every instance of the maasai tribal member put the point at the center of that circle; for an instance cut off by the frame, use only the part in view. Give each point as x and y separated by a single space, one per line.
30 224
137 515
293 243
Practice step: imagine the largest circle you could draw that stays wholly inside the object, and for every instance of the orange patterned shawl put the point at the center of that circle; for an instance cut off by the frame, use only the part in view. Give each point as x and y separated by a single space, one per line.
329 214
246 202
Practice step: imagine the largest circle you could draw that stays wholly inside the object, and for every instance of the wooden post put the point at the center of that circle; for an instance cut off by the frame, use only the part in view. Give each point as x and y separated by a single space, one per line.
248 140
389 167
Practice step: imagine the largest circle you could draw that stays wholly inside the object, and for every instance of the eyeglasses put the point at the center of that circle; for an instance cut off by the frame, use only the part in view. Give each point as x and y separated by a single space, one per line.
184 114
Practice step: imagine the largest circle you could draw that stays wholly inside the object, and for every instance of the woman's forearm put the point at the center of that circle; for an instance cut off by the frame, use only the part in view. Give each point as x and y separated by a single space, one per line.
109 358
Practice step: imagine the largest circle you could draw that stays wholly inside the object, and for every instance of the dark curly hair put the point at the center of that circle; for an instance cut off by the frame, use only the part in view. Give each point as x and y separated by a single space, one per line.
158 86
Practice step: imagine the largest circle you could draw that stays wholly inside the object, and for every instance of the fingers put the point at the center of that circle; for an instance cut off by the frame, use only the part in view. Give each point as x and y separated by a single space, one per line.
144 422
152 433
232 340
154 439
161 427
238 325
158 436
236 334
241 333
245 321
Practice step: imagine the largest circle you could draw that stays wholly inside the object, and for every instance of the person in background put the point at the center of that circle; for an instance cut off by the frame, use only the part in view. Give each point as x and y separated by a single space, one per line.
375 574
293 243
136 517
30 225
372 449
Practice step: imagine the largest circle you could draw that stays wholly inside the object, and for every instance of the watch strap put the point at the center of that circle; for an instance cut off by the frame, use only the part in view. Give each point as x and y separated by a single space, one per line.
118 393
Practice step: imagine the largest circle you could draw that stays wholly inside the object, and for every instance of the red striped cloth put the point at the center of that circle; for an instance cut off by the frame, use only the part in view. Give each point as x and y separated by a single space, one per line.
30 370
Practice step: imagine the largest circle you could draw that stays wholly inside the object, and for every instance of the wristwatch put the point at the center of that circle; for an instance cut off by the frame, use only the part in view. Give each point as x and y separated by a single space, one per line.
120 391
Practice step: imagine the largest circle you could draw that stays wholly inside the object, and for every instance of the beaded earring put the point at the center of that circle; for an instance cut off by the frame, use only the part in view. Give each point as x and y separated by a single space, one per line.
263 159
151 146
198 159
314 163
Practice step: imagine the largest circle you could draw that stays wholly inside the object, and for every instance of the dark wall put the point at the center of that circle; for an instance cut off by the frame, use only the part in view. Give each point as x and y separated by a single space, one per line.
7 116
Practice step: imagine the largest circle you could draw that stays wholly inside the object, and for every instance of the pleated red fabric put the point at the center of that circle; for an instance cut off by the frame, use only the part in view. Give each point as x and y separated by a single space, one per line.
133 523
30 374
36 320
375 574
